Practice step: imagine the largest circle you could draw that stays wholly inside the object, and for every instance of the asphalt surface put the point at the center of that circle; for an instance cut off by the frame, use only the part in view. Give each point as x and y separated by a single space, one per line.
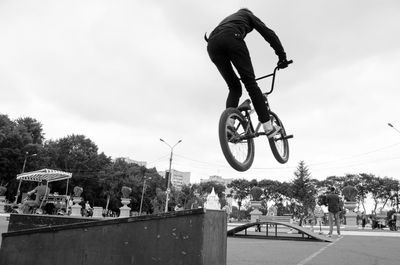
367 249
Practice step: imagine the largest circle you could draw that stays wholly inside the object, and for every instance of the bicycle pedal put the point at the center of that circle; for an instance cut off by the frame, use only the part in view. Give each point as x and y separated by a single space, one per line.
284 138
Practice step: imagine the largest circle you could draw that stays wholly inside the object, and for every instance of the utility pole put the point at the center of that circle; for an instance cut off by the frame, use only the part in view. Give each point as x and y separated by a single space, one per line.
169 172
394 128
397 195
141 201
23 170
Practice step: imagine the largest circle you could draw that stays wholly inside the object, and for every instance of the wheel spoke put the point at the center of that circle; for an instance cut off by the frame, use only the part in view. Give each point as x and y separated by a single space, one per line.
237 146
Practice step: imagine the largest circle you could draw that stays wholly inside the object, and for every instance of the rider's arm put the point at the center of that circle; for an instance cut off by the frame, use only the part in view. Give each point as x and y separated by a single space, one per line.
269 35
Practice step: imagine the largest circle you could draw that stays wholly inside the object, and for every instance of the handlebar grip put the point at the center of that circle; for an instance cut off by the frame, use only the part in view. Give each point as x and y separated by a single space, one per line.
283 64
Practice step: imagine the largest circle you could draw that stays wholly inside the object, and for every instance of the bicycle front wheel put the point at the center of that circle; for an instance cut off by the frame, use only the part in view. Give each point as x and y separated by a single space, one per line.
236 146
279 143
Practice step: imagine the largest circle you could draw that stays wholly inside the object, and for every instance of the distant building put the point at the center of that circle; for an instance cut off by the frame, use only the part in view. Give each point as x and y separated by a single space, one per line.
217 179
178 178
131 161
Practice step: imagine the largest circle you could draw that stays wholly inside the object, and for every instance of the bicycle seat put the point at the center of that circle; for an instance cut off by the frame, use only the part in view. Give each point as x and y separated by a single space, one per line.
245 106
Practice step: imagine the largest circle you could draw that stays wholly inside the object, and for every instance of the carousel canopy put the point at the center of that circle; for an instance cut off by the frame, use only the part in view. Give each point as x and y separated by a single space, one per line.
48 174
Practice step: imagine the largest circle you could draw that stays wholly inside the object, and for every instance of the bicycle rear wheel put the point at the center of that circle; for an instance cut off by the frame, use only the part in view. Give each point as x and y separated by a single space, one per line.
236 147
279 143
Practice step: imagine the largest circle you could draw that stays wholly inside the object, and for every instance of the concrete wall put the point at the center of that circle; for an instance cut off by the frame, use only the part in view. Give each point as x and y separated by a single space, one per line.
29 221
187 237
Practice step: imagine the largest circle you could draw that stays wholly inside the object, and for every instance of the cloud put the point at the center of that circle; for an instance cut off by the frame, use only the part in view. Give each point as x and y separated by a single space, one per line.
126 73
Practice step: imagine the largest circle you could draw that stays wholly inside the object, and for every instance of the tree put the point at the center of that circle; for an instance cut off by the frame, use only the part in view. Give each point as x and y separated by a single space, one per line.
380 189
362 189
158 201
272 189
240 189
303 190
78 155
31 130
333 181
120 173
374 186
187 196
205 188
17 140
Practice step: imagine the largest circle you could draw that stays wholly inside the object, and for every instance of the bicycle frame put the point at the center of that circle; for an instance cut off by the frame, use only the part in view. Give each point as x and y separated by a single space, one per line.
236 132
250 132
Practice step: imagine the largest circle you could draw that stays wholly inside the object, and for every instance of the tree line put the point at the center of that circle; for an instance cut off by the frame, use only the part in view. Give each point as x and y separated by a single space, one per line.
23 147
303 192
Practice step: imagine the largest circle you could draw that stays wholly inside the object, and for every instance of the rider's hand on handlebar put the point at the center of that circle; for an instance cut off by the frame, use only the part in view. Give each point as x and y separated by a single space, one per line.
282 63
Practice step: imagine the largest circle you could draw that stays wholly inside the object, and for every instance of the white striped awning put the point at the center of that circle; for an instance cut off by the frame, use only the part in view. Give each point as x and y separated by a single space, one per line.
49 175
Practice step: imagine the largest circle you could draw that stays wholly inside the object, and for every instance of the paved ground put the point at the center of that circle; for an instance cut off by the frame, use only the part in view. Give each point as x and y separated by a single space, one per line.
373 249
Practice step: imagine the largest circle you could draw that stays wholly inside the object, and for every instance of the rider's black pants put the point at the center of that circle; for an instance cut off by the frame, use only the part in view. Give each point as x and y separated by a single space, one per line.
227 48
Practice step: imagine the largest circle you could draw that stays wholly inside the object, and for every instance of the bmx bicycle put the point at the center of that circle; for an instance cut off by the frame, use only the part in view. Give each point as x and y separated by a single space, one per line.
237 132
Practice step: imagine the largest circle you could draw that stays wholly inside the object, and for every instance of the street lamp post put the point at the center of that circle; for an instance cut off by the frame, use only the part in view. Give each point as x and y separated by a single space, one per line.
26 157
23 170
141 201
397 192
397 200
394 128
169 172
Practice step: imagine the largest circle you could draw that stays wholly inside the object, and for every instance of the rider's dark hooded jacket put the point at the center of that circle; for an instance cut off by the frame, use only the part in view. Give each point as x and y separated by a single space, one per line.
244 22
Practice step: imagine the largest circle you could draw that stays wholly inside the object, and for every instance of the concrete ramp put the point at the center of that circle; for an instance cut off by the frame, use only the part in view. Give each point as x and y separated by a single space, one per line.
185 237
276 230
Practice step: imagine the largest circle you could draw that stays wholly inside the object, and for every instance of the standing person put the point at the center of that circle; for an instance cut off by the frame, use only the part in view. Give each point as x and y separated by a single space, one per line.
333 202
363 220
226 47
89 209
319 213
280 209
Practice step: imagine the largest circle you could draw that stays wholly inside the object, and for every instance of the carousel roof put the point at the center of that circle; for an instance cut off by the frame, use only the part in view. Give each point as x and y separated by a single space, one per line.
49 175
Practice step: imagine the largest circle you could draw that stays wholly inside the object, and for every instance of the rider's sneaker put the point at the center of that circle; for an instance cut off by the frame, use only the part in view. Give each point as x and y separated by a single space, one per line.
339 236
230 132
271 132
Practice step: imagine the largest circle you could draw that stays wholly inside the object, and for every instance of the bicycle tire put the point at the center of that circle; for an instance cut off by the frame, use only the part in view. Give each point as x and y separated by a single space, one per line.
238 152
279 144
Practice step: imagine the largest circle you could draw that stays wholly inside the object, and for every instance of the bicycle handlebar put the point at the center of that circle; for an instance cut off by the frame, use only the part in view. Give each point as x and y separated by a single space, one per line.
273 77
273 73
288 62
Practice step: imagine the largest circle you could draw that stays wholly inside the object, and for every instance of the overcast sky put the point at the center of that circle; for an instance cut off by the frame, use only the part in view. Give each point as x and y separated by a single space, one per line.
127 73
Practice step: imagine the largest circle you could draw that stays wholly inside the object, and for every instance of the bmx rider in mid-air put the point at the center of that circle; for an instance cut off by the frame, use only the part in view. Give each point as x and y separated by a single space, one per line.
226 47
